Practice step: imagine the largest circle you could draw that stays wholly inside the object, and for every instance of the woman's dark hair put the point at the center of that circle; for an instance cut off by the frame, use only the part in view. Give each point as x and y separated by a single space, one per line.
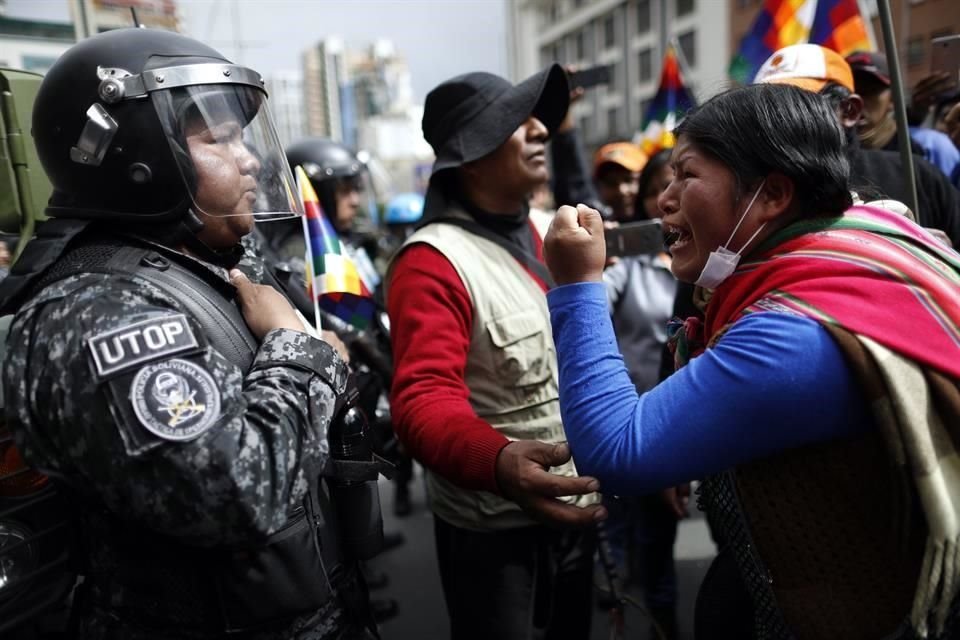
656 162
835 94
767 128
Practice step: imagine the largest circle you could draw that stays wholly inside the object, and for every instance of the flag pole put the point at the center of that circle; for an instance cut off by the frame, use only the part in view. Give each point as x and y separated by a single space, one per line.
313 274
899 103
309 271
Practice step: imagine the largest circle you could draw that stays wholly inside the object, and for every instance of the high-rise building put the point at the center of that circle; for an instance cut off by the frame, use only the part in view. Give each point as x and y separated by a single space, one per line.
374 109
324 76
630 36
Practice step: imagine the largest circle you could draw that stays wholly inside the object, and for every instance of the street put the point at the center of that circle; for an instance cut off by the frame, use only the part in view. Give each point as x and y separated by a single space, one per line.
415 580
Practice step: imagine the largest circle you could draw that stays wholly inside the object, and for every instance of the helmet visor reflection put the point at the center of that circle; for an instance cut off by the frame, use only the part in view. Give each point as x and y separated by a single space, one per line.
228 152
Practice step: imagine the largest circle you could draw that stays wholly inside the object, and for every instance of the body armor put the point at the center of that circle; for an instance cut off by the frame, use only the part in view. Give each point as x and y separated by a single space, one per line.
154 579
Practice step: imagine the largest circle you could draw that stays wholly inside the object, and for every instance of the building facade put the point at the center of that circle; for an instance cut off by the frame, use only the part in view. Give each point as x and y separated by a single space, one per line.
91 17
373 111
324 73
32 45
630 36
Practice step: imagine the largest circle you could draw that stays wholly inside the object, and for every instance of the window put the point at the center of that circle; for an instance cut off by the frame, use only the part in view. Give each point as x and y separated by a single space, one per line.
613 121
939 33
645 65
551 53
546 56
39 64
584 126
615 78
643 16
916 51
688 46
684 7
644 107
580 45
609 32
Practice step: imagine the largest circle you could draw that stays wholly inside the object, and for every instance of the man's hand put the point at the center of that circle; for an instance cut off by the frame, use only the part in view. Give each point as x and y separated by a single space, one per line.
263 307
676 499
574 248
521 471
334 341
576 93
926 92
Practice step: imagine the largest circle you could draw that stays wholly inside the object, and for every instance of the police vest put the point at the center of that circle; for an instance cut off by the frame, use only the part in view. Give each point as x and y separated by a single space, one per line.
155 580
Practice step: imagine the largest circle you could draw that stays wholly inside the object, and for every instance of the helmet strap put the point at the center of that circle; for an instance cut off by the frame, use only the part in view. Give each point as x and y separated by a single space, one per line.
189 226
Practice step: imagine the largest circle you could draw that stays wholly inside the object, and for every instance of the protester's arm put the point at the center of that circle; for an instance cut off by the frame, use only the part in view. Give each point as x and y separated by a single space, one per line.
772 383
431 320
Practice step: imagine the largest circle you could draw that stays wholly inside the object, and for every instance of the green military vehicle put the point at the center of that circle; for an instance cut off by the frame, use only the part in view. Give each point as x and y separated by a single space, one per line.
36 575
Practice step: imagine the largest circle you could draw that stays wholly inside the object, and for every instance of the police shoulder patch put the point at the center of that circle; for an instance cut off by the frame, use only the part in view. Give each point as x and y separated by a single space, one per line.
175 399
123 349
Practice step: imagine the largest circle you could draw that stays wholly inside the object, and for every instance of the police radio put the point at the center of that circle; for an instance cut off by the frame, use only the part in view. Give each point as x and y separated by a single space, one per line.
354 483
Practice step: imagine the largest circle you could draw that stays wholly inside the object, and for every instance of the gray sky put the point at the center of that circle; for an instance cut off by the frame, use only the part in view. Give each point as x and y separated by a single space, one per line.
439 38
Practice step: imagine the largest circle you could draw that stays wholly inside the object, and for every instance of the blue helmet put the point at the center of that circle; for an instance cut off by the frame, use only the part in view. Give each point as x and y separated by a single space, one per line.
405 208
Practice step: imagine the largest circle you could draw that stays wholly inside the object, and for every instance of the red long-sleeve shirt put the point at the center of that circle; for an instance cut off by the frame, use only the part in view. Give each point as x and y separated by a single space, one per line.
431 322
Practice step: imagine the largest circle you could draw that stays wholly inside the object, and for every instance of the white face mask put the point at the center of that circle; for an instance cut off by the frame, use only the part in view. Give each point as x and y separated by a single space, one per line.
722 262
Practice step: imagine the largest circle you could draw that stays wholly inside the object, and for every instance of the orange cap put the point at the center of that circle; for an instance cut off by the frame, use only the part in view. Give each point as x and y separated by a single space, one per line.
626 154
808 66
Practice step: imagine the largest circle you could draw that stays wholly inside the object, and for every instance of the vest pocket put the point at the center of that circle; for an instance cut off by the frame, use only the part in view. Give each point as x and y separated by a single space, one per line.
270 584
521 348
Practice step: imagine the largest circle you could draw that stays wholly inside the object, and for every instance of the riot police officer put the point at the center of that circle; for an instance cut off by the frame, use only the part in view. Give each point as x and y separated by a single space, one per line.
186 409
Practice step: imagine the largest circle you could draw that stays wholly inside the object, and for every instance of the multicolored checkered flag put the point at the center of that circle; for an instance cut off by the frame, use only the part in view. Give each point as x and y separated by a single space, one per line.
333 280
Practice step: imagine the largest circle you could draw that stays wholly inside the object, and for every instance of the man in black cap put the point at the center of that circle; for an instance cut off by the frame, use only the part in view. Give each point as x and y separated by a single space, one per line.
475 385
877 128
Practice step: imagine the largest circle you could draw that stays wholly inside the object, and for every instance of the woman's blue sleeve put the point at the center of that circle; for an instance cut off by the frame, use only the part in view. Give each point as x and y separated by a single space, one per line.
773 382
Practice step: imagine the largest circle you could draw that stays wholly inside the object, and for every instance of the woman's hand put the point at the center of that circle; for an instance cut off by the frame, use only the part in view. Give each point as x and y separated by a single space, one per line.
574 248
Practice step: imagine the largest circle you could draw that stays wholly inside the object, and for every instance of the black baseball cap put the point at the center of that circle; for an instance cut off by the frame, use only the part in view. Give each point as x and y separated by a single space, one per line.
870 63
470 116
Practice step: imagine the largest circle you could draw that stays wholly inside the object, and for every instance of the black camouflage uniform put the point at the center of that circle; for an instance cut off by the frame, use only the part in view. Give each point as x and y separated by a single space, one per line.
185 468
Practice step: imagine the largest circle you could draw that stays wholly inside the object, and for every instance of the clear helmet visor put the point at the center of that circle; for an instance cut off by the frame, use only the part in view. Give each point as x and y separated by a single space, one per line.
228 151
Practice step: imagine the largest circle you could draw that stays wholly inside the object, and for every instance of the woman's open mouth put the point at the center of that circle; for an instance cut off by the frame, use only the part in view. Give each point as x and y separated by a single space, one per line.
676 237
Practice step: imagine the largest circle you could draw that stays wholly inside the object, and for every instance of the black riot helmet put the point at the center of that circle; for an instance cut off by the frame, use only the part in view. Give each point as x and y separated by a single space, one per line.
327 164
116 117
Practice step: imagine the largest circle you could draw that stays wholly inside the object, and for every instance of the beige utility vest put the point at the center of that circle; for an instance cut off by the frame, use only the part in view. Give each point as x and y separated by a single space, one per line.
511 368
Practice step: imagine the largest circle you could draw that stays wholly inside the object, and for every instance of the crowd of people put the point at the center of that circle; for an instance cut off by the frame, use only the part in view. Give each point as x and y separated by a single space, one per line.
790 347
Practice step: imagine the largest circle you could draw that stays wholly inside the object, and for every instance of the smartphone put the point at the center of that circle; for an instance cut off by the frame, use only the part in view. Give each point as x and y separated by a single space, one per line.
590 77
945 55
644 237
